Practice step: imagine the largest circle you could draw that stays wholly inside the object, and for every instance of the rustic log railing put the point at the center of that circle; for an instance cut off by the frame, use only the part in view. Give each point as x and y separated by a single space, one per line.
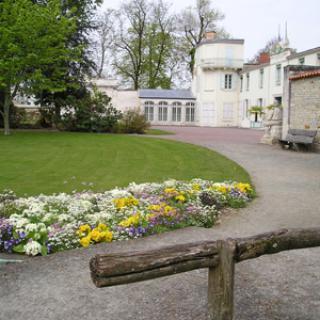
219 256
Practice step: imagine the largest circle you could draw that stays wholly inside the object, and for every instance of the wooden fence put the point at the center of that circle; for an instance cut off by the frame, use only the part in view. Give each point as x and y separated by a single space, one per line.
219 256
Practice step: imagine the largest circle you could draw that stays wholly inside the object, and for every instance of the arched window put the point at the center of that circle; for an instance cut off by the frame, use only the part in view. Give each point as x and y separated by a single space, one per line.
149 110
176 111
190 112
163 111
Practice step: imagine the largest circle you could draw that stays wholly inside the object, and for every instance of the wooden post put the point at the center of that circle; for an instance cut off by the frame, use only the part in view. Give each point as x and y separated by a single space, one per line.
221 283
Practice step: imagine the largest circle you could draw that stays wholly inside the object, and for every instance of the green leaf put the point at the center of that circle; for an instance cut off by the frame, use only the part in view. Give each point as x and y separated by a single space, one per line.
44 250
19 248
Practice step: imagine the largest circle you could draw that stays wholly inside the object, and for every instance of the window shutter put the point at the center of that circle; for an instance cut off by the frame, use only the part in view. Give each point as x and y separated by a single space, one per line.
235 81
222 80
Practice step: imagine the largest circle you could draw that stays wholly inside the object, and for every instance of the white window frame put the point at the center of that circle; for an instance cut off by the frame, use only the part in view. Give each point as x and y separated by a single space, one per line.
176 111
248 81
149 110
190 112
245 109
228 81
261 78
278 74
163 111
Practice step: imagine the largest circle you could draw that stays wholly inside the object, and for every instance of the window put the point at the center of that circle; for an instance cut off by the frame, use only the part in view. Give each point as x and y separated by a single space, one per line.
278 74
176 112
301 61
228 111
190 112
261 78
149 110
245 112
228 81
163 111
241 83
260 102
248 82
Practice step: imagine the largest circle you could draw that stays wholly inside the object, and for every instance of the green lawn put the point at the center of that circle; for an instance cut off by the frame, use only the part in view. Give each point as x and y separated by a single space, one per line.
48 162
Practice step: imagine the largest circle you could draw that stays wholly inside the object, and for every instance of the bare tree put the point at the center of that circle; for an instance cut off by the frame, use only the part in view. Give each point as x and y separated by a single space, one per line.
129 40
159 46
103 39
194 22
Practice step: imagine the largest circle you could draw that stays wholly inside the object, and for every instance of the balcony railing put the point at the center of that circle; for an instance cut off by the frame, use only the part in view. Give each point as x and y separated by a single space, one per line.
221 63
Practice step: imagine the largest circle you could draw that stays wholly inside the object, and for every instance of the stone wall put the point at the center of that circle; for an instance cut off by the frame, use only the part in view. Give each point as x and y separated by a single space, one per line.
304 112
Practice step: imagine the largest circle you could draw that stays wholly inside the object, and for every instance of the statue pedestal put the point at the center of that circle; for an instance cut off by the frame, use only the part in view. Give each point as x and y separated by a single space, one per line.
272 134
273 125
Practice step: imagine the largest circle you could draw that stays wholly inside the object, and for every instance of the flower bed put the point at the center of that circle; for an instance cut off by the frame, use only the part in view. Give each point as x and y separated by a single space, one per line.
47 224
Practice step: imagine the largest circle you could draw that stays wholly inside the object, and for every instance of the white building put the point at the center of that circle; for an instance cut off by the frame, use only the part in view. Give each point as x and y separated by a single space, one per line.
263 84
224 91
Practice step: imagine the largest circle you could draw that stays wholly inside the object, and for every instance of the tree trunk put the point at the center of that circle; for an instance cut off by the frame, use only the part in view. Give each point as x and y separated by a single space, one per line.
6 112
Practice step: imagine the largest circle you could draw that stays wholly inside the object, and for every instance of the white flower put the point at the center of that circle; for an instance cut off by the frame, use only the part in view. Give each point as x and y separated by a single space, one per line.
31 227
32 248
170 183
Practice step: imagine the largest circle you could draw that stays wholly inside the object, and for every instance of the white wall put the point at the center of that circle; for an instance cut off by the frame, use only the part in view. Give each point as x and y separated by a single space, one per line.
217 106
271 89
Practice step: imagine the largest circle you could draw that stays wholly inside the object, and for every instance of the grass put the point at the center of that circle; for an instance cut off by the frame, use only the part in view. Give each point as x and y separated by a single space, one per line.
158 132
47 162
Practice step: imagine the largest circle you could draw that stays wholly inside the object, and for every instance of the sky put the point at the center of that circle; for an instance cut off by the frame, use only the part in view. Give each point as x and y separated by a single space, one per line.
257 21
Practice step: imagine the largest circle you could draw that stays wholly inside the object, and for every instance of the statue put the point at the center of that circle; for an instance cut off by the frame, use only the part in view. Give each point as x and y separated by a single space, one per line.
273 124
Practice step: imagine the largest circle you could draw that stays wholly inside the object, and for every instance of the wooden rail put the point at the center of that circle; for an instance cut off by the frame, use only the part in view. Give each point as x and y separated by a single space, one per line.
219 256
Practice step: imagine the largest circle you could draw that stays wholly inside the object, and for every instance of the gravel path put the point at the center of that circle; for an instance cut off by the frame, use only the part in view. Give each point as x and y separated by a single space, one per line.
282 286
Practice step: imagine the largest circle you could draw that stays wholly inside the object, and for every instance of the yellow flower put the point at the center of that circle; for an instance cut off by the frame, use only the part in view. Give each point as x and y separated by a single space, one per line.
154 207
131 221
121 203
180 198
196 187
106 236
102 227
96 235
243 187
85 242
84 228
221 188
170 190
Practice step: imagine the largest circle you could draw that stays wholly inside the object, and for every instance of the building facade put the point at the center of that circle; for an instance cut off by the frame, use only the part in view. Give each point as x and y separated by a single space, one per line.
263 84
224 92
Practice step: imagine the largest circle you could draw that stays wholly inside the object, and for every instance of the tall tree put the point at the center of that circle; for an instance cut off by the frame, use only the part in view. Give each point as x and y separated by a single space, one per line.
194 22
83 13
33 38
160 42
103 39
143 43
130 40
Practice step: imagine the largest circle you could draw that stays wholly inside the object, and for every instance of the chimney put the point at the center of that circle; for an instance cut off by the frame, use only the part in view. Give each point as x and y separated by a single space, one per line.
210 35
264 58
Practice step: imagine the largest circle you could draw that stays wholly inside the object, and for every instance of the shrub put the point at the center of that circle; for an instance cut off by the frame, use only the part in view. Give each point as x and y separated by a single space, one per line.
133 121
94 113
16 117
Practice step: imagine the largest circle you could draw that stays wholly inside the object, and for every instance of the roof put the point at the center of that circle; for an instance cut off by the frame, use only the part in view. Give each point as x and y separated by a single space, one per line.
250 67
166 94
306 74
302 53
228 41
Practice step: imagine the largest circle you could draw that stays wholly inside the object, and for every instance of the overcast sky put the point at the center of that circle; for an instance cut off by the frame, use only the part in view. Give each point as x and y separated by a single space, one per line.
256 21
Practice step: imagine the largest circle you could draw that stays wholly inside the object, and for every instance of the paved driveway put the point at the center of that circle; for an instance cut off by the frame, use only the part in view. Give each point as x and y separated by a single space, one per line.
282 286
